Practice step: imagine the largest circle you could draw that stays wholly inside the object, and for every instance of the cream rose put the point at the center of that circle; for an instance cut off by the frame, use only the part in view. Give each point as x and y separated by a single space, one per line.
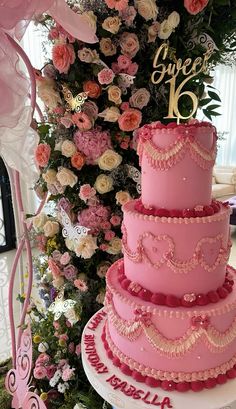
48 94
103 184
112 24
107 47
114 94
109 160
147 9
51 228
90 18
86 247
39 221
115 246
165 30
174 19
111 114
66 177
88 55
70 244
68 148
50 176
140 98
122 197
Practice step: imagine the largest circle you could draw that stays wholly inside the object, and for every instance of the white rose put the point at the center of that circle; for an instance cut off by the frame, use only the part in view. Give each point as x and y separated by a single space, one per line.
72 317
103 184
66 177
51 228
86 247
115 246
39 221
122 197
109 160
43 347
165 30
147 9
174 19
111 114
91 19
68 148
50 176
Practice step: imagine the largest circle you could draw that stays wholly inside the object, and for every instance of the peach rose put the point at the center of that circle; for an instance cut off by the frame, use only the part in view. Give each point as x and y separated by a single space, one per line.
86 192
130 120
66 177
63 56
117 4
195 6
68 148
129 44
147 9
110 114
107 47
92 88
89 56
78 160
140 98
122 197
109 160
51 228
50 176
112 24
42 154
114 94
103 184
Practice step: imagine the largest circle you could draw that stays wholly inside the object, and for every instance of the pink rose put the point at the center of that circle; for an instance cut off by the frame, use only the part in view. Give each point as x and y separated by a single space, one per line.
129 44
71 347
90 108
66 121
86 192
123 62
124 106
115 220
106 76
65 259
42 154
70 272
42 359
132 69
40 372
53 34
78 349
56 272
63 337
50 370
128 15
56 325
63 55
109 234
130 120
115 68
140 98
195 6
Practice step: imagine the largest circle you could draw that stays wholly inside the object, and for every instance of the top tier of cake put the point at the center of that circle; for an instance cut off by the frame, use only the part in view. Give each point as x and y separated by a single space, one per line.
177 163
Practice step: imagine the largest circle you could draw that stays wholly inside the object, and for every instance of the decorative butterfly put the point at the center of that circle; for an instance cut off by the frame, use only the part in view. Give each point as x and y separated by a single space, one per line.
73 232
74 103
125 80
61 306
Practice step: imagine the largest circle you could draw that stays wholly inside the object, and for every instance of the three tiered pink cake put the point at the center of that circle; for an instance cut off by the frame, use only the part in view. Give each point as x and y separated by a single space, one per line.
171 303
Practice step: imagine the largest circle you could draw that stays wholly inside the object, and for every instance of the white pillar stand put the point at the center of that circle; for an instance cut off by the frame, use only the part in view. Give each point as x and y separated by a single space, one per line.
101 374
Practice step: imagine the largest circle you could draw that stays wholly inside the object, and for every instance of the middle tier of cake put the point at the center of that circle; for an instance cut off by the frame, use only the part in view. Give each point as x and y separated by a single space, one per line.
178 256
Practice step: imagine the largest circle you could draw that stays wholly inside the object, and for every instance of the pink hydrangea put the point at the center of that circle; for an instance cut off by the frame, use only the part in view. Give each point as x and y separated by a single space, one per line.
92 144
93 216
106 76
86 192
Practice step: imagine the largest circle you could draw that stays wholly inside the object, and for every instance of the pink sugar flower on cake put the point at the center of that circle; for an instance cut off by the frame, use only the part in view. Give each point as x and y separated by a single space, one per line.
106 76
42 154
117 4
63 55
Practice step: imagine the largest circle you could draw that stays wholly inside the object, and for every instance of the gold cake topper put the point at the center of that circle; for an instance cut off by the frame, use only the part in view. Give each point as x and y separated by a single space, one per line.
74 103
188 68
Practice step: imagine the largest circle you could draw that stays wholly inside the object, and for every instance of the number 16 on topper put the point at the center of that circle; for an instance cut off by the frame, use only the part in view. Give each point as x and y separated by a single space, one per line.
188 68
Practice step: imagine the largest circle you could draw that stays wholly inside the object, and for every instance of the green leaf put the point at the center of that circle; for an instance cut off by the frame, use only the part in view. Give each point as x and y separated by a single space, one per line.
213 107
207 114
205 101
214 95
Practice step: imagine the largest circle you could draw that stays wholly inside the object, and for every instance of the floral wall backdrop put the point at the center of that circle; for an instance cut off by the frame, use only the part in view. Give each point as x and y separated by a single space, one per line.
96 97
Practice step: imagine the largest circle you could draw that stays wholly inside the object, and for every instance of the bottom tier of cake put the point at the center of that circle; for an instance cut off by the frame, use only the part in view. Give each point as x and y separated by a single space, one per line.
124 392
175 348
